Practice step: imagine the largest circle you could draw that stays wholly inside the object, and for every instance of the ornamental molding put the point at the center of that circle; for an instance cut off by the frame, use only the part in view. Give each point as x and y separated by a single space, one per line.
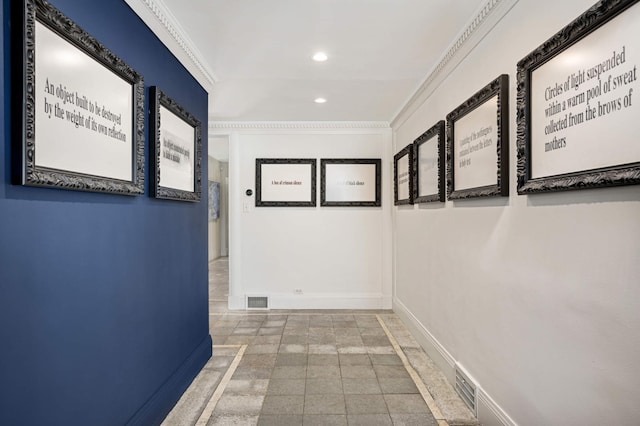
485 19
228 126
165 26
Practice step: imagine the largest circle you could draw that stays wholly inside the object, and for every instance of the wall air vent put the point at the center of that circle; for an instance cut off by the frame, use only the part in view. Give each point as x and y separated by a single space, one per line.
466 388
257 303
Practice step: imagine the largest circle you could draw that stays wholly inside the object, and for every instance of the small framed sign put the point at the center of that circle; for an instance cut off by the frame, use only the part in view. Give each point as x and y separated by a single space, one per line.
285 182
578 107
350 182
403 184
177 168
82 108
478 144
429 165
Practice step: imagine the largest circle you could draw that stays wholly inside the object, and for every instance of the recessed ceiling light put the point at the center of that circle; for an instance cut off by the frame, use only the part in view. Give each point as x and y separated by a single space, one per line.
320 100
320 57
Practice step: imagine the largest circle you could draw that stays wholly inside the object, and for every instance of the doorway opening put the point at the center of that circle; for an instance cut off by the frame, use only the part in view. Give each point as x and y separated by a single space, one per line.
218 223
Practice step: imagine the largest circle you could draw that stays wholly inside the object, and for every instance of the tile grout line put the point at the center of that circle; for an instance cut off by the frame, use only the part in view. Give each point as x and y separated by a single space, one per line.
211 405
437 414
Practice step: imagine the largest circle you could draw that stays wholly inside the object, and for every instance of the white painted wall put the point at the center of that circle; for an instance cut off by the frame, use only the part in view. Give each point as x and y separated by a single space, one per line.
538 297
340 257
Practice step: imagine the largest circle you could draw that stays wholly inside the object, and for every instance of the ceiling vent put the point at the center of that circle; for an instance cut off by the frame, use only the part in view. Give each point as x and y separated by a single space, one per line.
466 388
257 303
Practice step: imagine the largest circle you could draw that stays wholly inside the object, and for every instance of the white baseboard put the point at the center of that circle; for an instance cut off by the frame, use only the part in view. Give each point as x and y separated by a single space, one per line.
442 358
236 302
489 412
326 301
318 301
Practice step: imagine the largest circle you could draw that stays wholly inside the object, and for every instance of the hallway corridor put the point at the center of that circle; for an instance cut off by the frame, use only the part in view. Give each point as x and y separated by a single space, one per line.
314 368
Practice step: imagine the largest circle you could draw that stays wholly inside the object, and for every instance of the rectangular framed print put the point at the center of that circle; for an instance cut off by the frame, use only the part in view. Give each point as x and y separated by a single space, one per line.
350 182
403 184
177 143
429 165
214 200
82 108
284 182
478 144
578 109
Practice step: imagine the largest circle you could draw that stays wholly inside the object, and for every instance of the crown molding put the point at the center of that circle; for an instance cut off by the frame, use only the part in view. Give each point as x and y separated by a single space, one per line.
486 17
218 126
166 27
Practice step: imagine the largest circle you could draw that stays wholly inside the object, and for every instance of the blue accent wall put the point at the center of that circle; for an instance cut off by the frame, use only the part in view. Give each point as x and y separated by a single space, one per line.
103 298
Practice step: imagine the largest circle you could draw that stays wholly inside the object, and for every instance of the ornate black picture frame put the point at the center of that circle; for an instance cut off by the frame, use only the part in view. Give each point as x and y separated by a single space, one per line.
78 130
429 165
577 127
350 182
177 150
476 130
402 181
286 182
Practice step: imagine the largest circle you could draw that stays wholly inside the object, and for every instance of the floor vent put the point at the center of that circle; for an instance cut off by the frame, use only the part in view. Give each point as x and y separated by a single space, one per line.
257 302
466 388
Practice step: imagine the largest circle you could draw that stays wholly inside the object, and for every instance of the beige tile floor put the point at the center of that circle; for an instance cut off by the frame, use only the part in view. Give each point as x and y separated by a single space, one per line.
314 368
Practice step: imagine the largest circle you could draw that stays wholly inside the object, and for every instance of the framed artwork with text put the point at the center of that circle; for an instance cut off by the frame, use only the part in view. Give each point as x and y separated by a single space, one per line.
429 165
350 182
82 108
478 144
578 108
403 184
285 182
177 150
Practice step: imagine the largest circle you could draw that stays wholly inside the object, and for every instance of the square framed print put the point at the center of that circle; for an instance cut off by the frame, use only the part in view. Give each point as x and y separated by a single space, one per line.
177 143
478 144
285 182
403 184
429 165
81 122
577 112
350 182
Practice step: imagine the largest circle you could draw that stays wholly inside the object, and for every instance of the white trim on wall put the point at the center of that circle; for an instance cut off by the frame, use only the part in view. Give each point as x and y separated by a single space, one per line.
236 296
489 412
438 353
164 25
223 127
486 17
328 301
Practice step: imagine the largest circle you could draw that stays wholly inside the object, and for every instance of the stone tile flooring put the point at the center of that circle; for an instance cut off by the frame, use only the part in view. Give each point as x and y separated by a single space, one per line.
315 368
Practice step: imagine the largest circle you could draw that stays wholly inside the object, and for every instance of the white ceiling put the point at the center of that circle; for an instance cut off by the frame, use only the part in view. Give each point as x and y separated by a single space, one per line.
259 53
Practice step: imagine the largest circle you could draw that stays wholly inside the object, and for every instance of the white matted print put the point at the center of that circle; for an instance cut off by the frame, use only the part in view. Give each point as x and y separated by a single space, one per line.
82 119
474 146
585 102
285 182
427 155
403 185
177 150
478 143
177 165
350 182
428 167
577 104
82 126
